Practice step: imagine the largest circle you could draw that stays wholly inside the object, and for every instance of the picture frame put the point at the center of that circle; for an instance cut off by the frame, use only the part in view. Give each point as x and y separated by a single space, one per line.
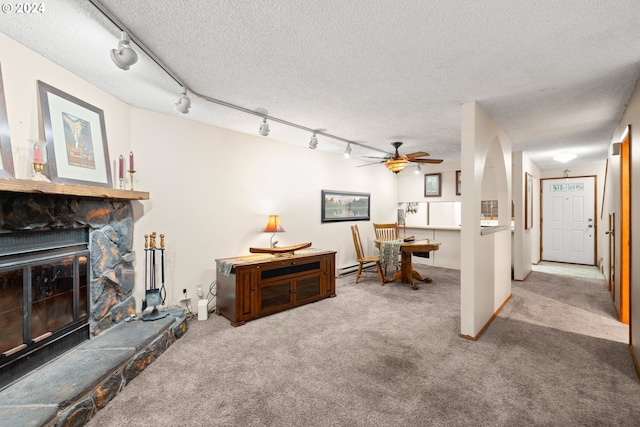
528 201
77 149
345 206
432 185
458 183
6 155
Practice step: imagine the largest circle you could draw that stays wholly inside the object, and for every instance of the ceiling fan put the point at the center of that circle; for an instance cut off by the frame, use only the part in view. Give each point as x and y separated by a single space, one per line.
398 162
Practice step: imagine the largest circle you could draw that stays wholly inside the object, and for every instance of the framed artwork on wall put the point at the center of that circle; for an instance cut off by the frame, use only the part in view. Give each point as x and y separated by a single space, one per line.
458 183
432 185
345 206
528 201
77 149
6 156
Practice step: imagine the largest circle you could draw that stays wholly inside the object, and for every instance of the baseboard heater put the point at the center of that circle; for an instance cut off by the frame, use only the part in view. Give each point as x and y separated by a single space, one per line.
344 271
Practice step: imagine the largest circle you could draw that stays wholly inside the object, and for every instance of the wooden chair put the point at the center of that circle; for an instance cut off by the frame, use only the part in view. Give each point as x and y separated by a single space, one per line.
386 231
362 259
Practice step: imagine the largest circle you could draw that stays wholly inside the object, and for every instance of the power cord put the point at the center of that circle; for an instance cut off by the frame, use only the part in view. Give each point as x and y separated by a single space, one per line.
213 291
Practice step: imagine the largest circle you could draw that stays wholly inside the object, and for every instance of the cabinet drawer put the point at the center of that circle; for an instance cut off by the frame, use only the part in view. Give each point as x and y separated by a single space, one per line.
289 269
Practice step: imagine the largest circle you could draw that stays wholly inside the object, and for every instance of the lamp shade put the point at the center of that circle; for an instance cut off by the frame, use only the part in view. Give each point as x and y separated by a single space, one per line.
396 165
273 226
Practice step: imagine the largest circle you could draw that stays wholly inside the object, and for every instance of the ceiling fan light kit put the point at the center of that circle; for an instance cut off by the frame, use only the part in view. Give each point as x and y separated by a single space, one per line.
398 162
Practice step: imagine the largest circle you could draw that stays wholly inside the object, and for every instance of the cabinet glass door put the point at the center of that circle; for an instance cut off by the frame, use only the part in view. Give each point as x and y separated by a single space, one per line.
308 288
275 296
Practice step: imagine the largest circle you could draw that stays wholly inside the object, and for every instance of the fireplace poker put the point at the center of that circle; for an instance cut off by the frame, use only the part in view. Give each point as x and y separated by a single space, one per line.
163 291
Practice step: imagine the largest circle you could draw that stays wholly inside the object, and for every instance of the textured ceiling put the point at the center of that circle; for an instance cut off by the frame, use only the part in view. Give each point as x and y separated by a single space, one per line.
555 75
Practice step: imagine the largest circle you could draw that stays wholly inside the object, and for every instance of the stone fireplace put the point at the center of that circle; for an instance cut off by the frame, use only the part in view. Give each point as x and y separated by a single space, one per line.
100 260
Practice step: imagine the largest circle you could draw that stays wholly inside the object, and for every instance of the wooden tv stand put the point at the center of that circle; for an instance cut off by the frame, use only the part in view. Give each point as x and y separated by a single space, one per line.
257 285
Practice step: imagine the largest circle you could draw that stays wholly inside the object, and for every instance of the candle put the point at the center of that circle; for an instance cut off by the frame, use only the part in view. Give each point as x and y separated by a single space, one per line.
37 153
121 167
131 161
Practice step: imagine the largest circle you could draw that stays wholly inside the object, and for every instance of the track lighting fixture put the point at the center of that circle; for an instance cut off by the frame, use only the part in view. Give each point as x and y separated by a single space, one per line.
418 170
264 128
313 143
184 103
124 57
347 152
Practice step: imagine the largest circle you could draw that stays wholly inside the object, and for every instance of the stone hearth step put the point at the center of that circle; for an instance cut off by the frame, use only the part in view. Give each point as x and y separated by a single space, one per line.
71 388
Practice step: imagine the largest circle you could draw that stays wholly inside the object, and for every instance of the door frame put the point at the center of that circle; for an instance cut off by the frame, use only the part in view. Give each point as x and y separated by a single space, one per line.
595 211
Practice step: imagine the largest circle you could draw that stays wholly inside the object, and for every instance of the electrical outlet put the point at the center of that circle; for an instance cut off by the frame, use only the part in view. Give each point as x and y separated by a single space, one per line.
184 291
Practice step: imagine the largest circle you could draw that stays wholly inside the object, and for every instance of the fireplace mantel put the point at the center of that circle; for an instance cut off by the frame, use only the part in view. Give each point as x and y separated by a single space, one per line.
38 187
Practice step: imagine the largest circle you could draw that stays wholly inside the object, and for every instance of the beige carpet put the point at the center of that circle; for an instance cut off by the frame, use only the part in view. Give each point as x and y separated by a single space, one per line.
391 356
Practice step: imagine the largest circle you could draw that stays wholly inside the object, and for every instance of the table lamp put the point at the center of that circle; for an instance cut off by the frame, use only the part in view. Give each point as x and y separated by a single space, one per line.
273 226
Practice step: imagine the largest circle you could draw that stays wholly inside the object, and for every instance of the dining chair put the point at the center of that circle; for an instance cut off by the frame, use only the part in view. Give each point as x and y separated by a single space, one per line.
386 231
362 259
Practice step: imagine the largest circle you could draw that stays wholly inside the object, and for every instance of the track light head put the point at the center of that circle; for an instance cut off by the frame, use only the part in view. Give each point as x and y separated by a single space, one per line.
418 170
313 143
264 128
184 103
124 57
347 152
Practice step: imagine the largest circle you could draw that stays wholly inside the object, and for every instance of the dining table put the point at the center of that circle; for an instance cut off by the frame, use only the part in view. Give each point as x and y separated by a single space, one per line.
389 250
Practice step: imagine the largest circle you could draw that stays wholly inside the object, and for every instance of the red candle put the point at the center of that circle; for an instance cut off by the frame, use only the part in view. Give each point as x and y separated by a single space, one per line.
37 153
121 167
131 161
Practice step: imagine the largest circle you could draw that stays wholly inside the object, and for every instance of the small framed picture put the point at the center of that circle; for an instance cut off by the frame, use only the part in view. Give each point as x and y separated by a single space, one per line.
432 185
458 183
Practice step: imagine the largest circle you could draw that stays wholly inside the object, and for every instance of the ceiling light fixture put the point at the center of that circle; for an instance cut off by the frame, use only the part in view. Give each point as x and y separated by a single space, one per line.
396 165
418 170
264 128
124 57
184 103
313 142
347 152
564 157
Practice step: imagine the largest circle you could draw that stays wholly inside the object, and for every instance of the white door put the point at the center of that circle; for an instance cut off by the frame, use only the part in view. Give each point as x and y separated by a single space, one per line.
568 220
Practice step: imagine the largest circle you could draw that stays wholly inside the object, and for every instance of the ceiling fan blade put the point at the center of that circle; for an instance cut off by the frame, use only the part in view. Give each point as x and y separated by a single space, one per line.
374 157
369 164
435 161
416 154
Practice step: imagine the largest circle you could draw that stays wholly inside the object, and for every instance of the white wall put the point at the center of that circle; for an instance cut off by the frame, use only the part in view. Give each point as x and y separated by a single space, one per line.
211 189
526 242
485 274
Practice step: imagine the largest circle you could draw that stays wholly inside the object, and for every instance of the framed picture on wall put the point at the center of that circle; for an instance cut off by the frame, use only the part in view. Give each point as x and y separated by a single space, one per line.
458 183
6 156
432 185
528 201
345 206
77 149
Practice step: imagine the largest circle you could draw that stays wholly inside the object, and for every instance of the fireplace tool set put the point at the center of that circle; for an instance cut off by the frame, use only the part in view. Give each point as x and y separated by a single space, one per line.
154 295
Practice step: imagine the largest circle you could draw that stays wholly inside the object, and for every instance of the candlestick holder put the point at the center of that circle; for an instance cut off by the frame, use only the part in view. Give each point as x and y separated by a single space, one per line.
131 172
37 173
121 186
38 157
